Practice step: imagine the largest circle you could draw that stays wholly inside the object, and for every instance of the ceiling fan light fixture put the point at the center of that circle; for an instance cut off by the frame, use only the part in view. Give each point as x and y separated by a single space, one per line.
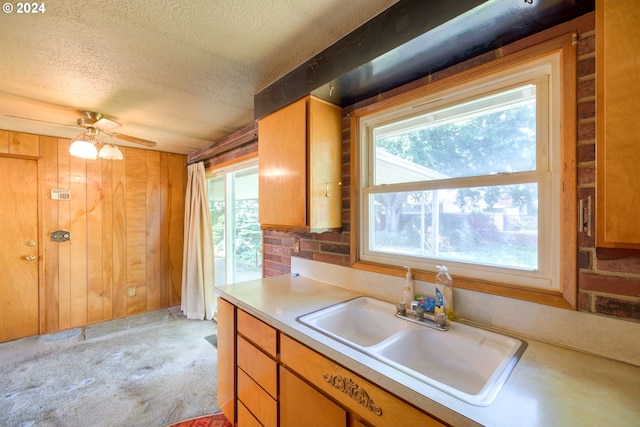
83 149
110 152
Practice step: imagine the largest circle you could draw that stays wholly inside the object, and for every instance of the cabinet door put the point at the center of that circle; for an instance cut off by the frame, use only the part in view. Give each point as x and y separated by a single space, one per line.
301 405
325 165
282 166
226 359
617 130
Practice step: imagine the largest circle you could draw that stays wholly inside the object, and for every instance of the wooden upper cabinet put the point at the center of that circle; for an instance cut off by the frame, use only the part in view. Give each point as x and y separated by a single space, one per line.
300 167
617 129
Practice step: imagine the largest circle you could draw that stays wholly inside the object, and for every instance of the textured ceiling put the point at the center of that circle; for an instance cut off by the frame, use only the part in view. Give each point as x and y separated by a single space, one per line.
180 73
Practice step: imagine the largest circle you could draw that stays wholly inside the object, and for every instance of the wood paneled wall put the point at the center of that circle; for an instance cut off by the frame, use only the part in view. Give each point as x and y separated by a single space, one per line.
126 223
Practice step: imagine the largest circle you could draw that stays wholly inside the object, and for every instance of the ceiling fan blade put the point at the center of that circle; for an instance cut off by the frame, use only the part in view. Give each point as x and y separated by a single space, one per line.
133 139
42 121
107 124
91 120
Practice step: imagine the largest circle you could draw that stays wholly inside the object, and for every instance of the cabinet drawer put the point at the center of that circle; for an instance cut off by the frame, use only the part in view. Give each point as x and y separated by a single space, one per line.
246 418
257 401
371 403
261 334
258 366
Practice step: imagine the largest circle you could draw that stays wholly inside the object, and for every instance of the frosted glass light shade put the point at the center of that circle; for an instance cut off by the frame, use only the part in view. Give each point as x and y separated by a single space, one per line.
110 152
83 149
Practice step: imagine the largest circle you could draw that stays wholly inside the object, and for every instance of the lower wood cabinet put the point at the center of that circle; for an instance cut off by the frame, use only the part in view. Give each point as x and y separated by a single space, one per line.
362 399
227 359
257 371
266 378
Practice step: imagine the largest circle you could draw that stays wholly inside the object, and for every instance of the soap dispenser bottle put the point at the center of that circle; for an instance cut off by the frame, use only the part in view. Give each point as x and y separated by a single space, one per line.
407 290
444 292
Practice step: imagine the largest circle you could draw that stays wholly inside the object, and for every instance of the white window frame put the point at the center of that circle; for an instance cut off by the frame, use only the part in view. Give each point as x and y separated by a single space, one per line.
230 226
544 70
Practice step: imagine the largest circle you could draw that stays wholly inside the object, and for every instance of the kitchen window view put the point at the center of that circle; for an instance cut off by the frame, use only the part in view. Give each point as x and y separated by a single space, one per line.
467 178
237 238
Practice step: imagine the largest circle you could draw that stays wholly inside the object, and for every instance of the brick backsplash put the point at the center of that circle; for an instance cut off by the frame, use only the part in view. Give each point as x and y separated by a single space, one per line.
605 286
330 247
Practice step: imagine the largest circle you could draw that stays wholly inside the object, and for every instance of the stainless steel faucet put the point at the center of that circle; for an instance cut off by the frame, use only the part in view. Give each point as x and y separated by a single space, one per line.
421 317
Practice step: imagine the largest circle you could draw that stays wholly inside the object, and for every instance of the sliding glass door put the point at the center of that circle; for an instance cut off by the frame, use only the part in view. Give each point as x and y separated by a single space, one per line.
237 238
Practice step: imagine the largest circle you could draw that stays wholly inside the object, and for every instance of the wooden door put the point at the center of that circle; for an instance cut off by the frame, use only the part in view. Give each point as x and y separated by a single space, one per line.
18 248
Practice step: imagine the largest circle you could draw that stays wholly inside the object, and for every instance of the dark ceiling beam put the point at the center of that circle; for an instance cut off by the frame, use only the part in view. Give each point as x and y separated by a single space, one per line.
400 23
410 40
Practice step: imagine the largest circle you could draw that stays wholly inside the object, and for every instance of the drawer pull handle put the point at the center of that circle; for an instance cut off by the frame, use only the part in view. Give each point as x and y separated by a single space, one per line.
354 391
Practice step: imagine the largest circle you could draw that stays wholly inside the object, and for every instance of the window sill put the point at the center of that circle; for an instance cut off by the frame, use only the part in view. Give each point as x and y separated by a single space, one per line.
552 298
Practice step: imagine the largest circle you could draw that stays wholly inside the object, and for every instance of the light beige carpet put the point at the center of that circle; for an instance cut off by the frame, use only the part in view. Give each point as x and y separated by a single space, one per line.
148 370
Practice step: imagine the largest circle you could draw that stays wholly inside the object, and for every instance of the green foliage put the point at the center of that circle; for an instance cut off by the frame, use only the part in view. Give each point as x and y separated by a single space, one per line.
248 240
499 142
216 210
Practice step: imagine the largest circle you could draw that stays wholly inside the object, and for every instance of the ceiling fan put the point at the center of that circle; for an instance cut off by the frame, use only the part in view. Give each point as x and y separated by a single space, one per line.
98 134
99 131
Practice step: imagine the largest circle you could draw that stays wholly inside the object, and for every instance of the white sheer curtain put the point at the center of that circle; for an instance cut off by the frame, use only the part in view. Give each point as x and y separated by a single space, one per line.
198 278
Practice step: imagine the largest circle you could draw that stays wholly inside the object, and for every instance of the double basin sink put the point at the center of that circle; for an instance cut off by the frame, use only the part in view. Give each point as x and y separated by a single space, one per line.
469 363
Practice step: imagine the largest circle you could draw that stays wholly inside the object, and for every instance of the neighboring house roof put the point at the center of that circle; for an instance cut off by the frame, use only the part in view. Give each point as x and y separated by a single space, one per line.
391 169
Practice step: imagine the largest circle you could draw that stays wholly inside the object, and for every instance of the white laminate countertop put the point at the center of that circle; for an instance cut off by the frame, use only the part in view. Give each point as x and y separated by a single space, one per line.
550 386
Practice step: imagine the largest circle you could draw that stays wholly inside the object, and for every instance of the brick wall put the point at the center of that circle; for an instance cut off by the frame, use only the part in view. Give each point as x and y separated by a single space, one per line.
278 249
608 281
607 284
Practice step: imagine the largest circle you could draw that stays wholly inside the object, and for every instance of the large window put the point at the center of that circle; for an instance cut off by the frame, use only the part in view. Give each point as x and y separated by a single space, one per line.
237 237
469 175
